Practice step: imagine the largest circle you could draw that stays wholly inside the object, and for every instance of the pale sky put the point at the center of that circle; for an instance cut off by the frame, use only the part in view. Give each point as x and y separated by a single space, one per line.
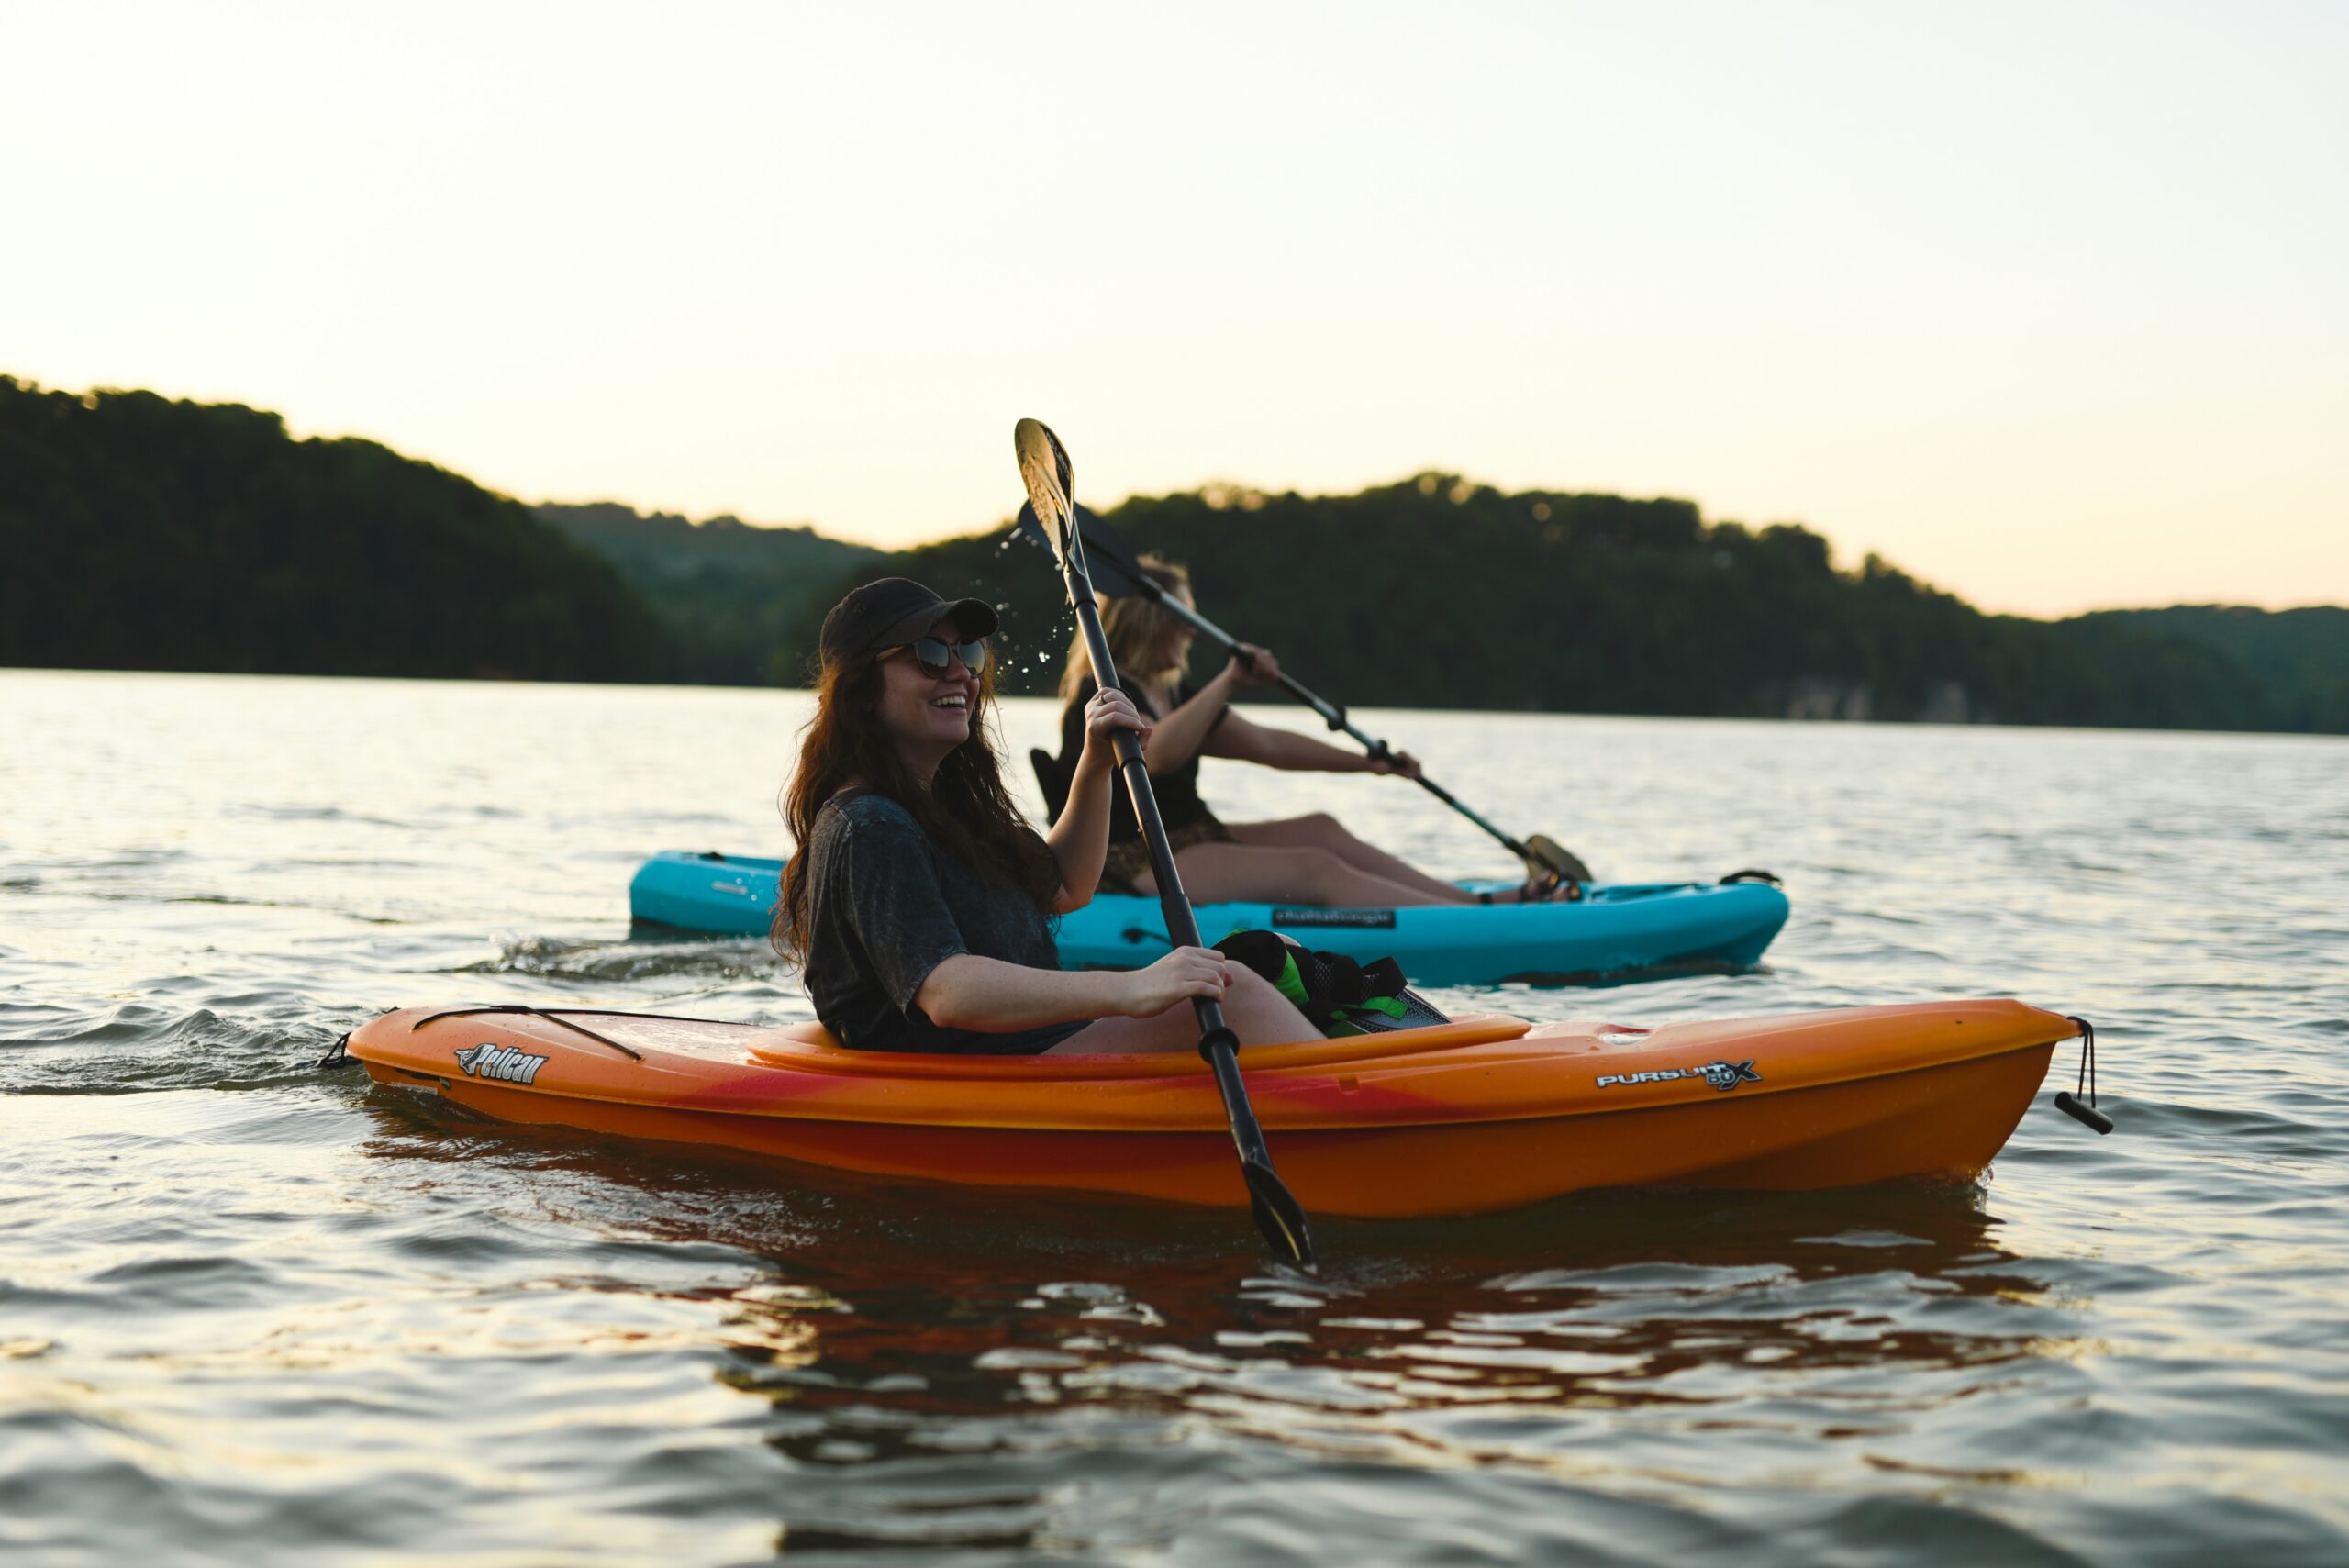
2048 302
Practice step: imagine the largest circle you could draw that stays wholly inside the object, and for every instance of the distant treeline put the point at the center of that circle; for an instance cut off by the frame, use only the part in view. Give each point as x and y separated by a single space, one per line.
1438 592
2299 658
733 596
141 533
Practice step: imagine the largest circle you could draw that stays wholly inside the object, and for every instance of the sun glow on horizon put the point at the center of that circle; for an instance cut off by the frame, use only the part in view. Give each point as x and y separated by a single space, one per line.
2042 304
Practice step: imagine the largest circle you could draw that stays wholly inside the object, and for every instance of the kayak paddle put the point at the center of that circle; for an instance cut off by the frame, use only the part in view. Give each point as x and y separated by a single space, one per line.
1122 576
1044 467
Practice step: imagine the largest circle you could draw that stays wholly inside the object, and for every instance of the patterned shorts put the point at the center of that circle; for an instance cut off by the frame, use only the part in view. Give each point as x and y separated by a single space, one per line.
1128 860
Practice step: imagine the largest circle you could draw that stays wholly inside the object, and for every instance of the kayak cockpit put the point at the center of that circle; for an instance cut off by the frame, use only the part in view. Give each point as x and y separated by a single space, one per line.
810 1047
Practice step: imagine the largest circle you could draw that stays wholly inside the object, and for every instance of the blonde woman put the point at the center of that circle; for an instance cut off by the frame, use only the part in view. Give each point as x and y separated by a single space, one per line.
1297 860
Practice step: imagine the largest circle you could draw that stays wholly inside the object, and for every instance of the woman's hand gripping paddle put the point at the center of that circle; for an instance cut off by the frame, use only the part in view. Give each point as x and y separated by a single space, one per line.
1045 469
1117 571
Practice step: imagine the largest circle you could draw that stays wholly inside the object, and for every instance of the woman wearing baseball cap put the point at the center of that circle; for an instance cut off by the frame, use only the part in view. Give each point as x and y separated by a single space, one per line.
919 904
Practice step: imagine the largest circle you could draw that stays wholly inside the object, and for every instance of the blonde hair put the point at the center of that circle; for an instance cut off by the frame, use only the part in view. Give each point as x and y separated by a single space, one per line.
1144 636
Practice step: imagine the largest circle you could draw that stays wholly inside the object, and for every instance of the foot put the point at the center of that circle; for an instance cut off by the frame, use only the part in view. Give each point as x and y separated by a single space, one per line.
1537 890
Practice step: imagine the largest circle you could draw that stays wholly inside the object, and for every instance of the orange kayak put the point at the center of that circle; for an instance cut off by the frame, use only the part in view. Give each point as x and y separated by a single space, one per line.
1479 1114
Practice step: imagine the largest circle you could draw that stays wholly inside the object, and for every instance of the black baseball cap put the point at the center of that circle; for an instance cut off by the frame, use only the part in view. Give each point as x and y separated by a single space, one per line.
894 611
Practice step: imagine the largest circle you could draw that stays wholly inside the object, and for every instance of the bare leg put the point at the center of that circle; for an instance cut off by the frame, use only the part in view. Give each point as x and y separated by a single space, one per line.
1257 1014
1319 831
1216 872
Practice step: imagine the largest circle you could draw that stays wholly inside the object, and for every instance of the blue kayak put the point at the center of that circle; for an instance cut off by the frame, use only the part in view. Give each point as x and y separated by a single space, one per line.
1613 932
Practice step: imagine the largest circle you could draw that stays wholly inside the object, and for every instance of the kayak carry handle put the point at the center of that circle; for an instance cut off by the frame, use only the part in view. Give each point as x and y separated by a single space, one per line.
2087 1115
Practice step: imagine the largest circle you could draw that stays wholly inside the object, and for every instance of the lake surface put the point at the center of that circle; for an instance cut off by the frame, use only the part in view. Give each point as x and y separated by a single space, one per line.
252 1311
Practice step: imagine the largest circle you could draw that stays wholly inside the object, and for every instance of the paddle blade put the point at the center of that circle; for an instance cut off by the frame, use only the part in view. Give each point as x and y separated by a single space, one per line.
1031 528
1112 561
1107 562
1544 853
1279 1216
1045 469
1061 464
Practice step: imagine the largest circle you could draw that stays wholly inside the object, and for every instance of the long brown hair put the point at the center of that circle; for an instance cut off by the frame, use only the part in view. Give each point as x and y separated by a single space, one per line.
1140 633
966 811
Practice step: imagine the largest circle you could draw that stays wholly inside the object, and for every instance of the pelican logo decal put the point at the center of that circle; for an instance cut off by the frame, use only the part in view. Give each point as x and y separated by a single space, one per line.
503 1062
1722 1075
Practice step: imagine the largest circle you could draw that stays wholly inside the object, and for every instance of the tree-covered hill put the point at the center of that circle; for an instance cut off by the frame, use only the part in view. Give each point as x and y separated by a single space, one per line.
731 595
140 533
2299 656
136 532
1438 592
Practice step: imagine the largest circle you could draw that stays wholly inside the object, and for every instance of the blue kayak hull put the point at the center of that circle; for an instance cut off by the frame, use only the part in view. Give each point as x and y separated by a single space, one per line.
1620 931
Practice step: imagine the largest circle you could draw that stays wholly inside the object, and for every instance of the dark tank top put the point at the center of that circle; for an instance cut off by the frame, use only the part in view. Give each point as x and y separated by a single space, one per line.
1176 790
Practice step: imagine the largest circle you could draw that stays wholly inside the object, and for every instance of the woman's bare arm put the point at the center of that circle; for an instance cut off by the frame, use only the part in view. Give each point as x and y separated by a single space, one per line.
1175 739
1080 840
1244 741
986 994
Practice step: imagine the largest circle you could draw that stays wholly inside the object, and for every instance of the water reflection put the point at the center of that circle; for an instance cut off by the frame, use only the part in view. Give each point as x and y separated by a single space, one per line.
938 1365
492 1345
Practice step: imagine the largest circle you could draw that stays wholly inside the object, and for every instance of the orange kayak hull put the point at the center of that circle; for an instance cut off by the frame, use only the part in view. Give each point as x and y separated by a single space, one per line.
1480 1115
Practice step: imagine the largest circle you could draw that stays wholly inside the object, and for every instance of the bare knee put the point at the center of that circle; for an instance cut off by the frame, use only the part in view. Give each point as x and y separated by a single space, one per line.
1322 831
1260 1015
1326 875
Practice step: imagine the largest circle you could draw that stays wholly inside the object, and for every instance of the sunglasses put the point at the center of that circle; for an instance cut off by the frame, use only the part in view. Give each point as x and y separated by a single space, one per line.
932 653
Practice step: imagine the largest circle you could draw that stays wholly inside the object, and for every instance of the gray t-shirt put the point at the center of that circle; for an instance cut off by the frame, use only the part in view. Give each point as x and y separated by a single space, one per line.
886 907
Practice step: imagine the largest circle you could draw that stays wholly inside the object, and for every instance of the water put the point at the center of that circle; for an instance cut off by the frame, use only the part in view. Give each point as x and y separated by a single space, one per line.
253 1312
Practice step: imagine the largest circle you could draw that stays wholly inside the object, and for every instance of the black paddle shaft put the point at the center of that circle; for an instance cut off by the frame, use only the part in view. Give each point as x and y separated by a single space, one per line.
1278 1215
1180 924
1045 469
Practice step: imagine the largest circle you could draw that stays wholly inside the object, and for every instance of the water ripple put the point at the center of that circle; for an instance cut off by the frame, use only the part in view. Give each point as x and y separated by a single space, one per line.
248 1311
